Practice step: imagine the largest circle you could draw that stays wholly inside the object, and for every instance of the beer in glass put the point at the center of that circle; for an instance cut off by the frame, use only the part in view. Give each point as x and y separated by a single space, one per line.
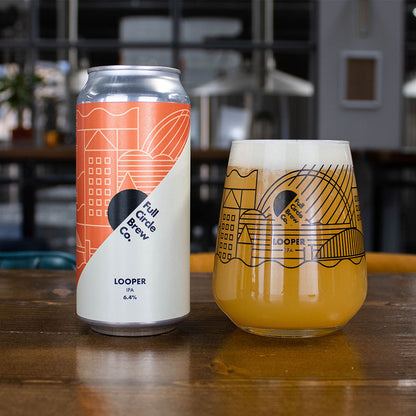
290 259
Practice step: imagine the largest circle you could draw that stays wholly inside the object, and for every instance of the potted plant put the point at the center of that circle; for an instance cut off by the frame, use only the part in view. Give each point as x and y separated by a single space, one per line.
19 87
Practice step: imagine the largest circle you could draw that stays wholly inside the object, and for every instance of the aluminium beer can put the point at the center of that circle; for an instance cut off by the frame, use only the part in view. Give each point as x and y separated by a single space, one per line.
133 197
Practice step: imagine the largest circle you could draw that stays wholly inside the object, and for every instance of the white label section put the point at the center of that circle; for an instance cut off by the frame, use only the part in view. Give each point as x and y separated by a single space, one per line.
141 271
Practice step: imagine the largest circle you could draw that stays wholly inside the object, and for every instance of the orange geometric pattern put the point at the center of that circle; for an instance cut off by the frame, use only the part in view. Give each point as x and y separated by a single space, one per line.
128 145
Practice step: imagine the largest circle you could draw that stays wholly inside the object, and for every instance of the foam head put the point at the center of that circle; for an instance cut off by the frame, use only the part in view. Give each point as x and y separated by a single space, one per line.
288 154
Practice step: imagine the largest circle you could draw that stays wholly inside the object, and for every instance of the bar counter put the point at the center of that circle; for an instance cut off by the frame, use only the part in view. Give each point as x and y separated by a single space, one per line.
53 364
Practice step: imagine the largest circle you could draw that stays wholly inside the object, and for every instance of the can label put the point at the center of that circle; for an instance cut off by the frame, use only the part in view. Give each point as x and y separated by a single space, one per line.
132 211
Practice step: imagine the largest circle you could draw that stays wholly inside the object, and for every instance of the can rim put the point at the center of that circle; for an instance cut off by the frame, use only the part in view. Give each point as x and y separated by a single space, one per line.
133 68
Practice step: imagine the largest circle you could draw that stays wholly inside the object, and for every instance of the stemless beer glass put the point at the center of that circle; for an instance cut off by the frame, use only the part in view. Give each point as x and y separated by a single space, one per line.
290 258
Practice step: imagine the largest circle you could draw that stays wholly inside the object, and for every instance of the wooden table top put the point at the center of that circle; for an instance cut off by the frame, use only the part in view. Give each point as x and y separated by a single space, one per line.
53 364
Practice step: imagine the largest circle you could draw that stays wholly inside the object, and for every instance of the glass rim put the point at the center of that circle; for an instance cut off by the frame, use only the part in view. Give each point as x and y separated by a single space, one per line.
337 141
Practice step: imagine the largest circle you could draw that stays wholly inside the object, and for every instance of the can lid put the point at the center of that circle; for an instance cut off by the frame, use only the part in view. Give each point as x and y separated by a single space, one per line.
133 68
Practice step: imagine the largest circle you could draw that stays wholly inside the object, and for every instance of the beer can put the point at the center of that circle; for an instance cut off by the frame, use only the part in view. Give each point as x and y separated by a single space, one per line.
133 197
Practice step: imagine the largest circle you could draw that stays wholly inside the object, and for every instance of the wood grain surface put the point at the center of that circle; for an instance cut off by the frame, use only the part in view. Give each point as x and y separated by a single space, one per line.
53 364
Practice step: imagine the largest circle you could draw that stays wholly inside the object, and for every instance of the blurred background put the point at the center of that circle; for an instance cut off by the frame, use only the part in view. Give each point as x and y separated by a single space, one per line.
343 69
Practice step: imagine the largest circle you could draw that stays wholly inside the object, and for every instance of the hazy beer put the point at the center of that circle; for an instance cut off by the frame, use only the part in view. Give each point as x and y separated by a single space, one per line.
290 257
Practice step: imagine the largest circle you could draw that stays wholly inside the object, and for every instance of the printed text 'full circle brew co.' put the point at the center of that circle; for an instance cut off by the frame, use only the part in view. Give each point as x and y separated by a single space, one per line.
133 186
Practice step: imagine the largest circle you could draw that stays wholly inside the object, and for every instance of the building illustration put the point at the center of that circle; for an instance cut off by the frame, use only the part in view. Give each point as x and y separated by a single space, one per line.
118 150
305 215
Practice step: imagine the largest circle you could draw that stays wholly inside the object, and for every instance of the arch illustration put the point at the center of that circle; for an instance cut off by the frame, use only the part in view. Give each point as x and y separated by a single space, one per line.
306 215
328 192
